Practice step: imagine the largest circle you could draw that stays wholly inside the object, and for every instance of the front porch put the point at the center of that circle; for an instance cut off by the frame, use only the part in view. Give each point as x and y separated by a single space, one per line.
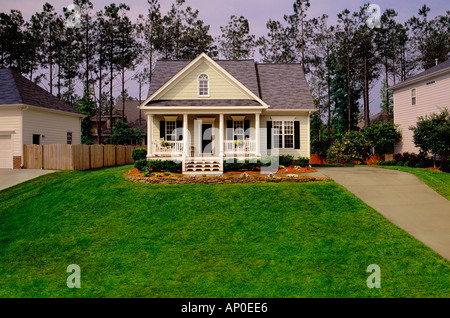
203 136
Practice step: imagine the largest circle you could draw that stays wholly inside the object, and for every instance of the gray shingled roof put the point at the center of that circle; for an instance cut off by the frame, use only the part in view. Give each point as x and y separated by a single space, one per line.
16 89
282 86
439 67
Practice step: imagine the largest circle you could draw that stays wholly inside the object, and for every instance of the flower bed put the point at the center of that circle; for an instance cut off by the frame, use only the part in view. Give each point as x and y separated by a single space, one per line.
251 177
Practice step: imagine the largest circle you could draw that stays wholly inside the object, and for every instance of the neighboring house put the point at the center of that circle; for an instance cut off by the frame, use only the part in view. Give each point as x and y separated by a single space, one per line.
380 117
105 122
204 111
133 116
420 95
31 115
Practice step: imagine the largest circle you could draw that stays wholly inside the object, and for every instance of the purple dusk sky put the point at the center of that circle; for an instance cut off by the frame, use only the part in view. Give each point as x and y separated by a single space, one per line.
217 13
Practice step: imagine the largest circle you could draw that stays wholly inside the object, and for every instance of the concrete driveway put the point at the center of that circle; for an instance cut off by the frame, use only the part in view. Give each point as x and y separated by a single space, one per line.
403 199
11 177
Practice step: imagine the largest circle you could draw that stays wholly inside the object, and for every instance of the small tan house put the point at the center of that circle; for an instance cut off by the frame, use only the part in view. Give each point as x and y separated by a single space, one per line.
204 111
425 93
31 115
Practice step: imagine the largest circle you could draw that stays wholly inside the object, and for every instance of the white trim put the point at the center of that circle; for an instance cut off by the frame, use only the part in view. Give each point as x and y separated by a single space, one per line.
198 86
407 83
191 66
221 135
283 118
207 120
170 118
238 118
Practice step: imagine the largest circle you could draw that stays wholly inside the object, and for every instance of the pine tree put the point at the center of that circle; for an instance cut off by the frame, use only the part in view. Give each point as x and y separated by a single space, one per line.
235 42
275 47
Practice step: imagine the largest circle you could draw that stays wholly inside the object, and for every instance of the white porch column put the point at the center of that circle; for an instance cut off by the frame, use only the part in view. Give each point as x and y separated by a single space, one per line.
186 138
221 139
149 135
257 136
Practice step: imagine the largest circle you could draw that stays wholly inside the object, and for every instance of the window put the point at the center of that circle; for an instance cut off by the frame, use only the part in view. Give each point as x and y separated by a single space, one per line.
171 133
69 138
413 96
36 139
238 130
283 134
203 85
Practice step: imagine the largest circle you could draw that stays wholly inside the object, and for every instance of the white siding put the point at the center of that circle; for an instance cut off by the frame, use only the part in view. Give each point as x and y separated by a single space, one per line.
53 126
429 99
10 120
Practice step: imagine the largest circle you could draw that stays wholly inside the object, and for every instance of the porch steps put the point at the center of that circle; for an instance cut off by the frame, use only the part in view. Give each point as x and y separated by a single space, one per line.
203 166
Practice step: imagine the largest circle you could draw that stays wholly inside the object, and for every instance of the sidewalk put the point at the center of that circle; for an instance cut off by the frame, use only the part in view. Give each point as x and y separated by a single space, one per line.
11 177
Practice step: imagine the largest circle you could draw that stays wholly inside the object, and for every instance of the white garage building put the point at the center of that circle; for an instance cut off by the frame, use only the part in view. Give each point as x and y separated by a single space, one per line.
31 115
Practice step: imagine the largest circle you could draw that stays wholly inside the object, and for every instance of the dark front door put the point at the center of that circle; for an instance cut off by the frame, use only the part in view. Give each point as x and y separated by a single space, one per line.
207 139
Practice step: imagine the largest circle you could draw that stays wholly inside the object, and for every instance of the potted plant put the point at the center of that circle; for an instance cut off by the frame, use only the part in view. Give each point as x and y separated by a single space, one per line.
238 143
165 143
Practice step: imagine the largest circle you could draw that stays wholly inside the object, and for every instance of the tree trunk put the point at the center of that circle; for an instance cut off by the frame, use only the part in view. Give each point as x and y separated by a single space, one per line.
348 90
387 85
123 94
366 94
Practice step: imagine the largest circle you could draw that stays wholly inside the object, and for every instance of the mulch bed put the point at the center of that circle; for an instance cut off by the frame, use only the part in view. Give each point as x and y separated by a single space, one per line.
233 177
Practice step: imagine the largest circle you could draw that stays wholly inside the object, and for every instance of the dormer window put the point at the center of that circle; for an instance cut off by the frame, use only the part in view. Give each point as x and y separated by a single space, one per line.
203 85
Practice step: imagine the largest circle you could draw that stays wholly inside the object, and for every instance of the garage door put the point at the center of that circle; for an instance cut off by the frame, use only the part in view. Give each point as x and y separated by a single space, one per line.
6 156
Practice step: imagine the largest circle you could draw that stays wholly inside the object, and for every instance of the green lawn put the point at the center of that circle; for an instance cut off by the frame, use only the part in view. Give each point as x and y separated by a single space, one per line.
242 240
438 181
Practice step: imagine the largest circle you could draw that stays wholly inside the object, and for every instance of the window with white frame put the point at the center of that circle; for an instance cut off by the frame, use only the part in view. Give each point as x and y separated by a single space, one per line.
203 85
238 130
69 138
283 134
171 133
413 96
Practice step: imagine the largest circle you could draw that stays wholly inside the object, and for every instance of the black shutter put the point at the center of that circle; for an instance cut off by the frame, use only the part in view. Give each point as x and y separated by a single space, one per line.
246 129
297 134
179 130
162 129
269 135
229 130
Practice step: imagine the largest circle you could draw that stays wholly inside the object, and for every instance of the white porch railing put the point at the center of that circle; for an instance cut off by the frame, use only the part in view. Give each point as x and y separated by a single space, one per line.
240 146
168 147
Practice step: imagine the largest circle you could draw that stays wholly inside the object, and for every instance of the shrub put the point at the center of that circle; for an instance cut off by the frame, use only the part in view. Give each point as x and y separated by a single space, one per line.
432 134
236 166
407 159
303 161
386 163
353 148
445 167
382 136
320 147
141 164
164 165
286 160
138 154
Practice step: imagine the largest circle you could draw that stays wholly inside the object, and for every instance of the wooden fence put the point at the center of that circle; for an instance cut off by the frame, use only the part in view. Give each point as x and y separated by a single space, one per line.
76 157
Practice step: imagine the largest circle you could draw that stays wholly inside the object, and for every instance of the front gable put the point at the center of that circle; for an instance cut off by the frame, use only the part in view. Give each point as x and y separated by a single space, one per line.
219 86
185 85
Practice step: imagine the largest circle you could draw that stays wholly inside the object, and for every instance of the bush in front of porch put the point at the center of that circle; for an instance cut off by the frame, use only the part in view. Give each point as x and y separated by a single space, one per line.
157 165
